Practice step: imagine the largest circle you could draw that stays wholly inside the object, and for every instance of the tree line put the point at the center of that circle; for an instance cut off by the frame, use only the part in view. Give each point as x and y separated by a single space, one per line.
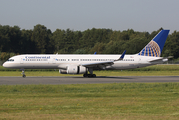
41 40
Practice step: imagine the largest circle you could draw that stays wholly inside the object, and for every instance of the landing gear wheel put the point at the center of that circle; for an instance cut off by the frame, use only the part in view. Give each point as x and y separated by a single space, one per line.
89 75
85 75
94 75
23 76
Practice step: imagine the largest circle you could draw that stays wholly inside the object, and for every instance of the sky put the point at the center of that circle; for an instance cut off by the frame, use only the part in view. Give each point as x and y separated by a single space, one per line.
139 15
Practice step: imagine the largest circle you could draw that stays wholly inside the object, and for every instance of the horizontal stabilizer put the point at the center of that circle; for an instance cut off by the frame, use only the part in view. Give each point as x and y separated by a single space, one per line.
164 59
156 60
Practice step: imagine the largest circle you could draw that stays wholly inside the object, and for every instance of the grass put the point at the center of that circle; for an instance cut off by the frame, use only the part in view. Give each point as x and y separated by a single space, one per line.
157 70
125 101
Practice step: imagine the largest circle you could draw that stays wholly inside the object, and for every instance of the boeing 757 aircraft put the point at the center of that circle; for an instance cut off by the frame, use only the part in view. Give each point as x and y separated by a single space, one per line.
82 64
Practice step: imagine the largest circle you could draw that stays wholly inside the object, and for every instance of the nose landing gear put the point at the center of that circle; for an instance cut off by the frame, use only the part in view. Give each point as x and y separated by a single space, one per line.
23 73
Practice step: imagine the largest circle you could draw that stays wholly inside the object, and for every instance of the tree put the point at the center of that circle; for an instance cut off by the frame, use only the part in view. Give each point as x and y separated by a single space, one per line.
171 47
41 37
99 48
26 43
4 38
105 41
59 40
4 56
69 41
80 51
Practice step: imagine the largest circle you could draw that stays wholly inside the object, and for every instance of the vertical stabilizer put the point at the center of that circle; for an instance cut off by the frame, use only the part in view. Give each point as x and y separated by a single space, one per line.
155 46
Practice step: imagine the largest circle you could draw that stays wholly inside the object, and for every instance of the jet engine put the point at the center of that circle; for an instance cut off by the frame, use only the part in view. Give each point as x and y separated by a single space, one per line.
74 70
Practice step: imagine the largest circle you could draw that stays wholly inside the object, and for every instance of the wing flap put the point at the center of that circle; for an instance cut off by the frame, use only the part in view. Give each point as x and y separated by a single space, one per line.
107 63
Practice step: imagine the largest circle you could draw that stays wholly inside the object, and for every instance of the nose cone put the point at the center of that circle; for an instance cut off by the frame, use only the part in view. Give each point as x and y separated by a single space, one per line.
5 65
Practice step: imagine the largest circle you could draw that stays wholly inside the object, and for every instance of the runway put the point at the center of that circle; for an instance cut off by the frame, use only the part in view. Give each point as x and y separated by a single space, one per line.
81 80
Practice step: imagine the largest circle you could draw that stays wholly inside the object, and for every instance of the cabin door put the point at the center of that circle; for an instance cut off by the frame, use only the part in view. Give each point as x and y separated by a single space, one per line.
54 61
22 60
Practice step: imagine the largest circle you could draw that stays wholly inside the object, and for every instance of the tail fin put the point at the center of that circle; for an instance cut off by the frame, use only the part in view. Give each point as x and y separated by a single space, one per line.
155 46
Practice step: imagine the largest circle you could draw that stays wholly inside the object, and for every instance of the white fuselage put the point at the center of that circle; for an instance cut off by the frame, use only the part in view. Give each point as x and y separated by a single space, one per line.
52 61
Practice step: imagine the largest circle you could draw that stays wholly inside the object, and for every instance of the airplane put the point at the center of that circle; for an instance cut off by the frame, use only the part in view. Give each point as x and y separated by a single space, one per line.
86 64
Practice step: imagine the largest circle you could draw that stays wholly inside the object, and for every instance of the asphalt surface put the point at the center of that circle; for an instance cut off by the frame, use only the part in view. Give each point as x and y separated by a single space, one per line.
81 80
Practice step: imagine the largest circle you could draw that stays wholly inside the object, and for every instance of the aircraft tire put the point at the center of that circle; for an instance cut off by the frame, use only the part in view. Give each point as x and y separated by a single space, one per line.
23 76
89 75
94 75
85 75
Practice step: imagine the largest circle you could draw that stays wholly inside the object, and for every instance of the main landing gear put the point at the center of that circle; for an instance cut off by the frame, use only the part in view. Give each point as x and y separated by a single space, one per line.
23 73
91 73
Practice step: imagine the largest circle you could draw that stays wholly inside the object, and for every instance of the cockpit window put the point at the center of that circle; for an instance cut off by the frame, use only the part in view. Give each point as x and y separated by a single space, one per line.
10 60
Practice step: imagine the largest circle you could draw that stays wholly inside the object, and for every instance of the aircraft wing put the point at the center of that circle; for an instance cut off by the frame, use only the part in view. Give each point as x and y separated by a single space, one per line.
103 64
107 63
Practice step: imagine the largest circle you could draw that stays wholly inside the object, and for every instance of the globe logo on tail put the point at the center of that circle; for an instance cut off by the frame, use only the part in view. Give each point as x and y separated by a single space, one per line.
151 49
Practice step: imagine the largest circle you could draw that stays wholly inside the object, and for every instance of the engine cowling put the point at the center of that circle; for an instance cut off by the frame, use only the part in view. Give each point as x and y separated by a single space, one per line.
62 71
74 70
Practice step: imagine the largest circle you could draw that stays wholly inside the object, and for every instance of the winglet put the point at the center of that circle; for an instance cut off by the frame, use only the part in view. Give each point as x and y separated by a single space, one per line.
122 56
95 53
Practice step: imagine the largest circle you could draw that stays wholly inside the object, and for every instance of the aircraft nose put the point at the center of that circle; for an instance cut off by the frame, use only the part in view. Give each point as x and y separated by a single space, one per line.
4 64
